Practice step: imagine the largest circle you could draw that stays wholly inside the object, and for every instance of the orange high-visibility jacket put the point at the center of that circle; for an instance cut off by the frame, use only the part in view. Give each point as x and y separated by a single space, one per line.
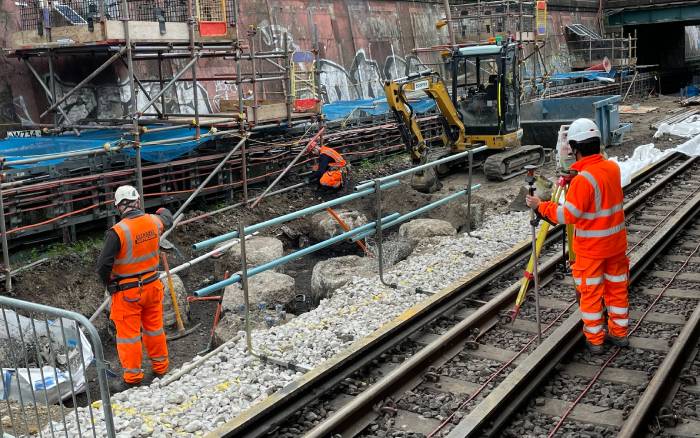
594 204
139 238
338 160
333 177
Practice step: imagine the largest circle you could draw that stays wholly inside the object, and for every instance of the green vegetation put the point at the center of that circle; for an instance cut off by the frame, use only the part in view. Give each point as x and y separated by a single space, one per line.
83 248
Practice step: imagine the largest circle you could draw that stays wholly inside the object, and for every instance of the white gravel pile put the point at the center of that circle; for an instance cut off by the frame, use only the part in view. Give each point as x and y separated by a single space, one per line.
230 382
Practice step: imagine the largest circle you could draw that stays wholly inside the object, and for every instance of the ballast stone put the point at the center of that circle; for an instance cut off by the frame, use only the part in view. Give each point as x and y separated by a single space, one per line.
267 287
258 250
419 229
329 275
323 226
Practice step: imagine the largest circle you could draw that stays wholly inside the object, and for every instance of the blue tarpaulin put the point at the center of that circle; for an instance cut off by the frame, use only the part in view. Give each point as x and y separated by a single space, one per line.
342 109
19 148
586 75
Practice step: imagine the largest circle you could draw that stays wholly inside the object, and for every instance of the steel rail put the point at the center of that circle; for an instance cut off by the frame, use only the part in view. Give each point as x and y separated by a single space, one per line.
345 419
494 412
659 386
274 410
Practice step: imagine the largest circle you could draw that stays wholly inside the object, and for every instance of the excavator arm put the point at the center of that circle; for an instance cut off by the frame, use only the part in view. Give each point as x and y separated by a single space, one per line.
432 85
453 137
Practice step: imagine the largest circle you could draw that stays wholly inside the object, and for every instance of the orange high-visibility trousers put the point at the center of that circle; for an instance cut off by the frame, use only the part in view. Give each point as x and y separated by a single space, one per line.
602 281
133 310
332 178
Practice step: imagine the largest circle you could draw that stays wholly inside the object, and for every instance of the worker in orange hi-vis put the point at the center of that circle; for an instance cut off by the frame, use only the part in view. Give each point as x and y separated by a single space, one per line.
128 266
594 205
332 167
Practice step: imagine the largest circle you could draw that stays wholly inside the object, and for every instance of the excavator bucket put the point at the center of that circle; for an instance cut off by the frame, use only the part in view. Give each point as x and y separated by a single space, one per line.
426 181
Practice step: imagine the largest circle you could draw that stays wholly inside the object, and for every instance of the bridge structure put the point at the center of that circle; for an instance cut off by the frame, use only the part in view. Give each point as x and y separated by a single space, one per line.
661 27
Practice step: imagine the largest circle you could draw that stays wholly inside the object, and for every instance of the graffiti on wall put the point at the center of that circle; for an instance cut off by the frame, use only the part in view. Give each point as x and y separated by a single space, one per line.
178 100
365 77
273 36
114 101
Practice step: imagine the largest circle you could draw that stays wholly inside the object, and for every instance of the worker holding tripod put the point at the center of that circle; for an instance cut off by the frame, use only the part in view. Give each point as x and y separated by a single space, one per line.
594 205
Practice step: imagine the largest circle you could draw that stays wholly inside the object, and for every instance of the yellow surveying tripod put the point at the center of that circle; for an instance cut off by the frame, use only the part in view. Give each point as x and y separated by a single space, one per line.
565 160
559 191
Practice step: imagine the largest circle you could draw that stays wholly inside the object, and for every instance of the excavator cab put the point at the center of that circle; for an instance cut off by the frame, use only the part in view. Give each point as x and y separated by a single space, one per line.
485 91
480 106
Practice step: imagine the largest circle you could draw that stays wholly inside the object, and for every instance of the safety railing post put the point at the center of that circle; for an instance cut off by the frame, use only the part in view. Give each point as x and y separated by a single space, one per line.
469 194
3 231
244 284
379 237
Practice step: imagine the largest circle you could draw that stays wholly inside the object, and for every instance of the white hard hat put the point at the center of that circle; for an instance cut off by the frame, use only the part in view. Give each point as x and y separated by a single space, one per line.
583 129
125 193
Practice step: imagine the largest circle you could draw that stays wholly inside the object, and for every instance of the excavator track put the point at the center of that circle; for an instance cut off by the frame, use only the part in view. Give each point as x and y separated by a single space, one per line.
506 165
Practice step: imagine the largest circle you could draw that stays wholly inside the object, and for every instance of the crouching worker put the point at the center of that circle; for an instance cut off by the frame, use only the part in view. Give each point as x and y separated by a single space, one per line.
331 173
128 266
594 204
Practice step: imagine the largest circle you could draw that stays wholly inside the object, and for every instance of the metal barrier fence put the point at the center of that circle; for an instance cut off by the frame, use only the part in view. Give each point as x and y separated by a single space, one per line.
46 364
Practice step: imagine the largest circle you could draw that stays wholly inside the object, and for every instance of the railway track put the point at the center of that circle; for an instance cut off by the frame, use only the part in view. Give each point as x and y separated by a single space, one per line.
428 374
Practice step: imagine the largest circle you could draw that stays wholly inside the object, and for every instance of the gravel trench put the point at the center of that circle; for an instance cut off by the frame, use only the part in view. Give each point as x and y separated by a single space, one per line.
231 381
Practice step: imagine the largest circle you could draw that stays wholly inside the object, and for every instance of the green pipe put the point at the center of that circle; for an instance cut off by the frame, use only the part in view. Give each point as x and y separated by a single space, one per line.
417 212
289 257
290 216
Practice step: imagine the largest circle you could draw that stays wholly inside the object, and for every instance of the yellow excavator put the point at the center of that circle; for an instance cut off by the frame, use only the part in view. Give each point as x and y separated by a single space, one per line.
482 108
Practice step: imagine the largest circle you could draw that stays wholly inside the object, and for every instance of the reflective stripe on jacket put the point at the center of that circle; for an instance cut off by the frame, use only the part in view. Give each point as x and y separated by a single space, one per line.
338 160
139 239
594 204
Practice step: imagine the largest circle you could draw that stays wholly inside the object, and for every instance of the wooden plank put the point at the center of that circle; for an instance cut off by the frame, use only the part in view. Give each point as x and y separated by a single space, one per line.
682 259
655 218
483 352
269 112
639 227
497 354
635 342
649 344
636 109
683 276
582 412
610 374
672 293
452 385
554 303
660 318
418 424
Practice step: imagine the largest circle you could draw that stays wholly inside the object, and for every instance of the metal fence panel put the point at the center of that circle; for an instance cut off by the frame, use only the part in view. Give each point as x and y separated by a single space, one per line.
46 355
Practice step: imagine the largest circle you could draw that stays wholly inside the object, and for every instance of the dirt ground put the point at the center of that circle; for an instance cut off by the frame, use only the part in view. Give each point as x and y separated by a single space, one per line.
68 280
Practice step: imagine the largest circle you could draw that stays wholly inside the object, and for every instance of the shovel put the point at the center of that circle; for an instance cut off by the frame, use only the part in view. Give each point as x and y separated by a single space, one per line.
181 332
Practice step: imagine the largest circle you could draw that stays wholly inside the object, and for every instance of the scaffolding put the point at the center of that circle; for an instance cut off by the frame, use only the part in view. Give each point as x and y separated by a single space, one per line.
125 34
477 21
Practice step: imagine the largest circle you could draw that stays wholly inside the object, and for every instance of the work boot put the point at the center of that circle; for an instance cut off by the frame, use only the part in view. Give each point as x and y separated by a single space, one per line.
119 385
621 342
595 349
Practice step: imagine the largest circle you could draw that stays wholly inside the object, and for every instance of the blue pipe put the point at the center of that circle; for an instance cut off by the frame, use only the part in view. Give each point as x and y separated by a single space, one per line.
417 212
289 257
290 216
465 154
